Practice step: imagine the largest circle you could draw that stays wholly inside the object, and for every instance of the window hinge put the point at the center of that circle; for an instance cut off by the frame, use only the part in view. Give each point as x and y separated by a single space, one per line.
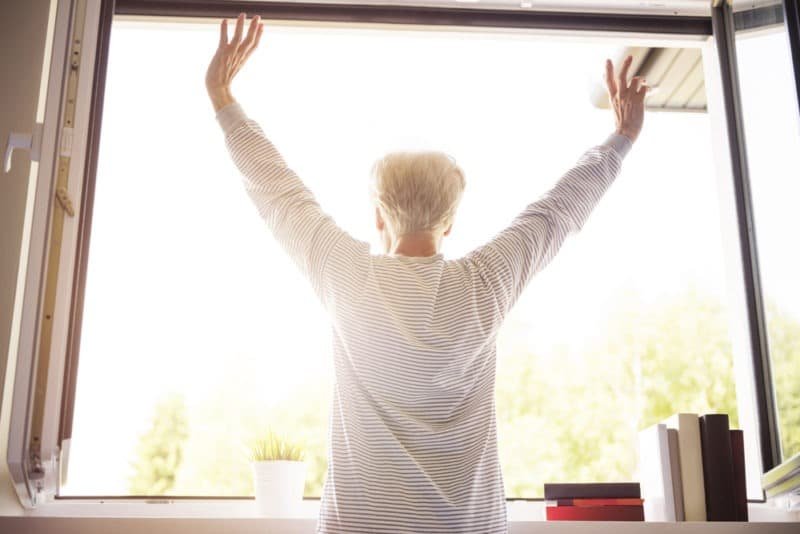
64 201
40 474
66 141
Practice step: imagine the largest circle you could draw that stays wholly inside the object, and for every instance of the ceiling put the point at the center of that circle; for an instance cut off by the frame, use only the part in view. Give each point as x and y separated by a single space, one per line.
675 74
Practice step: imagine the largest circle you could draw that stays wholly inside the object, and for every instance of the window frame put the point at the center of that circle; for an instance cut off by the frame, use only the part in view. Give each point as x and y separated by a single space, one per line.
57 406
725 35
791 17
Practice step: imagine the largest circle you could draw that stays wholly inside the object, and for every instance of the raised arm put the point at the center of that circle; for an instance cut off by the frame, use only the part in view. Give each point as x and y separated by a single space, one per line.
527 245
310 237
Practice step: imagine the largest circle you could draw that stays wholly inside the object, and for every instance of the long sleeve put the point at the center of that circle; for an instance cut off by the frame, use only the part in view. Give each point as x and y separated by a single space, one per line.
526 246
309 236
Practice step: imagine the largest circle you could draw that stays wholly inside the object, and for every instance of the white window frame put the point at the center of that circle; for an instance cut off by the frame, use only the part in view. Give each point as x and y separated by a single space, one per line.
41 500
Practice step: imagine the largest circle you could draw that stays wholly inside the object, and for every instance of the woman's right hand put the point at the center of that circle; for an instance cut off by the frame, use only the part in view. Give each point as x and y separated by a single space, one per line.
627 99
229 58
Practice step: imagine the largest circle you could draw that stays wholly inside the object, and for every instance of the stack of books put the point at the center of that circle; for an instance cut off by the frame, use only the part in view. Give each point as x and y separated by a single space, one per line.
692 469
783 479
594 502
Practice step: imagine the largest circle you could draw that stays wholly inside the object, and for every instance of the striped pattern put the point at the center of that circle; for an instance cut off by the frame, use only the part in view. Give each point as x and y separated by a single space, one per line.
413 444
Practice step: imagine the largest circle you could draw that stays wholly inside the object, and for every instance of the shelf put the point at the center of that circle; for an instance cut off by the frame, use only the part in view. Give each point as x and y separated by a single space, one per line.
163 525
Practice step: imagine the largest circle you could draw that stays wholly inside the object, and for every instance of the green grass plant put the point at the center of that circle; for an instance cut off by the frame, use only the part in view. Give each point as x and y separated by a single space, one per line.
274 447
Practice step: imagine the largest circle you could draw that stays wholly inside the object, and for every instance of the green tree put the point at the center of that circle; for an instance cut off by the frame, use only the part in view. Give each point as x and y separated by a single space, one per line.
160 450
574 415
784 349
232 415
563 415
685 356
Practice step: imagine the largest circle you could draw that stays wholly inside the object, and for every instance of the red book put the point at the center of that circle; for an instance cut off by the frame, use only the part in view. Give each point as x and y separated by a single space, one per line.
600 502
595 513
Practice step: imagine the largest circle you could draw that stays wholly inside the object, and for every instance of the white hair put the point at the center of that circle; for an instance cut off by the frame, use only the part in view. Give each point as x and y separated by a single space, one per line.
417 191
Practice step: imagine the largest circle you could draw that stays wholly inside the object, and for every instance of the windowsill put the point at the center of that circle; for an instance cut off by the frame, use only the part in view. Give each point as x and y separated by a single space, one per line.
154 525
520 513
238 517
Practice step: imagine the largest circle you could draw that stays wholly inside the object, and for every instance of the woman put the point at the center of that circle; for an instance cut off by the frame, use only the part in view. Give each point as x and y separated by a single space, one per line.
413 445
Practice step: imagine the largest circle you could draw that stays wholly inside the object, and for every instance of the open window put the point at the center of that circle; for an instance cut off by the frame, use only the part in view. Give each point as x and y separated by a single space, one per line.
161 321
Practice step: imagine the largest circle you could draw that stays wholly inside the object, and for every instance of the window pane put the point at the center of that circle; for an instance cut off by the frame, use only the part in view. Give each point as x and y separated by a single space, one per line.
198 332
772 132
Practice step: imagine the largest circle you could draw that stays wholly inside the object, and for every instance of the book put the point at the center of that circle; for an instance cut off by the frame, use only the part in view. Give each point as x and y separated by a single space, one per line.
715 439
604 490
594 513
675 473
785 471
655 474
782 479
787 486
739 478
692 484
597 502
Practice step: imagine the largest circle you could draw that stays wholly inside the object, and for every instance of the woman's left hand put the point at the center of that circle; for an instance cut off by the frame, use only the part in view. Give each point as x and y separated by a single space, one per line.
229 58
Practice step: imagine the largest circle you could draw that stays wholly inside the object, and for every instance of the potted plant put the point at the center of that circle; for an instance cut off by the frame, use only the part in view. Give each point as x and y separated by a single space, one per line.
279 475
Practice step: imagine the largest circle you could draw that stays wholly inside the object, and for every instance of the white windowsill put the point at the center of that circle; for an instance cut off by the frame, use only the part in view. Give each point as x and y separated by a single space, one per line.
238 517
519 512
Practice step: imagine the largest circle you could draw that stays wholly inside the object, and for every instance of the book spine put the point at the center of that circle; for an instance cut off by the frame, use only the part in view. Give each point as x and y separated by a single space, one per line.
656 474
611 490
599 513
739 478
675 471
694 498
715 440
599 502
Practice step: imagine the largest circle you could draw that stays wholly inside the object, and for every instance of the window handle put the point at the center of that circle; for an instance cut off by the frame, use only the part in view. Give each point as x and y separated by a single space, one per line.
31 142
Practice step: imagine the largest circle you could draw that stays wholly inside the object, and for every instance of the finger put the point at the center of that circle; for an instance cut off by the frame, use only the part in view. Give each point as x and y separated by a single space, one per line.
251 31
249 40
237 35
643 87
610 83
623 74
258 35
248 45
223 33
636 83
253 46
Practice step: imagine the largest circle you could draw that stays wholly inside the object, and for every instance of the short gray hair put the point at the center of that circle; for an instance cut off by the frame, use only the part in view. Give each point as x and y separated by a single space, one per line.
417 191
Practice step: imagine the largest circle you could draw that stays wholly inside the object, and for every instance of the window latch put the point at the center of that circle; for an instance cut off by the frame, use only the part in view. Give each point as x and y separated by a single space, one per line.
31 142
64 201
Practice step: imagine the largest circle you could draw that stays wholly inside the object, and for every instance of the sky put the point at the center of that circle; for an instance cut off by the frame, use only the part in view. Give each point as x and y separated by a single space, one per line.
185 280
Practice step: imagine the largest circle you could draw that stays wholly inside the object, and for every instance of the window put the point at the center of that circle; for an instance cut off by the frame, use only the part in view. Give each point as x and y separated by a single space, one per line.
773 151
197 331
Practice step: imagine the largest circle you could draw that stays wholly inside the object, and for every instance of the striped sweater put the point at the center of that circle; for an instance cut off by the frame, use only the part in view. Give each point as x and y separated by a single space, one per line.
413 440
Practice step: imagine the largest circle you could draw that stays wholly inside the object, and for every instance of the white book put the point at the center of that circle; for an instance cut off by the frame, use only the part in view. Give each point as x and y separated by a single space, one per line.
655 474
692 482
675 473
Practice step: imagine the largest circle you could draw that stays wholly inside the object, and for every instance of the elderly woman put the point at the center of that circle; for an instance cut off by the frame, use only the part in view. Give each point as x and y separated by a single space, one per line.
413 441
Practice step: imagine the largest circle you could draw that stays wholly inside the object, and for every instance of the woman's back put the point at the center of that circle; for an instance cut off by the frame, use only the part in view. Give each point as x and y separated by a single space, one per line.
413 427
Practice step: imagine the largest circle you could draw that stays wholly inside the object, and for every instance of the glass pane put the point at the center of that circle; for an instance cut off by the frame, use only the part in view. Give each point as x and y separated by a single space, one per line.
772 132
198 331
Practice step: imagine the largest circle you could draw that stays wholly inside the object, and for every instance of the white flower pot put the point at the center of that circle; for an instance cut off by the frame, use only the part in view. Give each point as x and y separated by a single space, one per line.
279 487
